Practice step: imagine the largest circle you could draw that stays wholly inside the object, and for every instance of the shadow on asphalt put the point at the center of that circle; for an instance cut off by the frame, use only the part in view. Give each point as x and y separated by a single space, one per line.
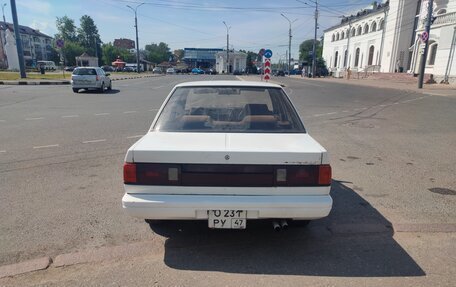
354 240
113 91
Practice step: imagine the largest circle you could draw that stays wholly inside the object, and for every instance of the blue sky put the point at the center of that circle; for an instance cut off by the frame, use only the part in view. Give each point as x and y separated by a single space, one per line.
255 24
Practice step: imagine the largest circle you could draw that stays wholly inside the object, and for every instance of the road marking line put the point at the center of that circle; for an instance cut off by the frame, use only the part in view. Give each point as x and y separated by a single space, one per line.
102 114
396 103
318 115
133 137
94 141
2 121
2 151
153 110
331 113
159 87
45 146
33 119
71 116
130 112
345 111
383 105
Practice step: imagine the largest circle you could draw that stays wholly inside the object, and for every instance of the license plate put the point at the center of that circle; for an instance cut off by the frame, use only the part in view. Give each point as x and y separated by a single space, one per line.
228 219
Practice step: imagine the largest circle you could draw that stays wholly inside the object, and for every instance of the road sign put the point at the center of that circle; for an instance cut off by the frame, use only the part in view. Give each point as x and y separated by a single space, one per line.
268 53
267 64
266 77
424 36
60 43
267 70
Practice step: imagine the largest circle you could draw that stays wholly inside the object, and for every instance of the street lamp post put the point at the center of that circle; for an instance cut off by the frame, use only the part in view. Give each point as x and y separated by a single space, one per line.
289 40
227 48
3 12
137 41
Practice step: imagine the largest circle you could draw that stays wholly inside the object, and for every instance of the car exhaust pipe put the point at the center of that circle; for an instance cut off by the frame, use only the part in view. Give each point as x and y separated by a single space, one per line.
276 226
284 224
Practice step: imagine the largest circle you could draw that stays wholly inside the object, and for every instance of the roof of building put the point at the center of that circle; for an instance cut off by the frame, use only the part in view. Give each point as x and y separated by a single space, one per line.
23 30
376 8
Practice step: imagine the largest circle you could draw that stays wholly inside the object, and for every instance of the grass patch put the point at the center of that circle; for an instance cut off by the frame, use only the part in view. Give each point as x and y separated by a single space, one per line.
12 76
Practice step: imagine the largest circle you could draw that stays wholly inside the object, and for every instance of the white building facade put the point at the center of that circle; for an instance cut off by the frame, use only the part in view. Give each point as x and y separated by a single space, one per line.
441 58
36 46
237 62
377 39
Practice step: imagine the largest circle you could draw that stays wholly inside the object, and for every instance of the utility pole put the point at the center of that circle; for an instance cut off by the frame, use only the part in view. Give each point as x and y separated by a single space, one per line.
227 48
314 48
137 40
289 40
3 40
427 29
20 53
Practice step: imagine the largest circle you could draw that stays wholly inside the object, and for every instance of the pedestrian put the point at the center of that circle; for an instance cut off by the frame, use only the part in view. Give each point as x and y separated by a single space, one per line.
303 71
398 64
348 73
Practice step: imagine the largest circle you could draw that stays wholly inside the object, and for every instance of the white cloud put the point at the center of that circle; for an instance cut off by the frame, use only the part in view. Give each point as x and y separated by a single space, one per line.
43 26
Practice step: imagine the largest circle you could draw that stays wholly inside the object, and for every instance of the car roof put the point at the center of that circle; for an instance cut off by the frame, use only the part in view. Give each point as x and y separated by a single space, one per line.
228 83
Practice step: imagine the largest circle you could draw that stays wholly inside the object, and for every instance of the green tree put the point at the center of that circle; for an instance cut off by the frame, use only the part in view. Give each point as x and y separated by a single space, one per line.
88 36
179 54
305 52
66 29
111 53
158 53
71 50
251 57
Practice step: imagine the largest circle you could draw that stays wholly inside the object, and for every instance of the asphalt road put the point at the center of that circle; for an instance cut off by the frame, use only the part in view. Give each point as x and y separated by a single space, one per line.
393 160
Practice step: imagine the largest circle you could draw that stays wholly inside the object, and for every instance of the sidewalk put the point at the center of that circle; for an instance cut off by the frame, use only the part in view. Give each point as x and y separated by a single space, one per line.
431 89
67 81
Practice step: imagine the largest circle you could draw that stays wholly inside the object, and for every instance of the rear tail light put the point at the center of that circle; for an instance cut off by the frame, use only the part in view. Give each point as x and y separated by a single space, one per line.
305 175
129 172
98 78
226 175
151 174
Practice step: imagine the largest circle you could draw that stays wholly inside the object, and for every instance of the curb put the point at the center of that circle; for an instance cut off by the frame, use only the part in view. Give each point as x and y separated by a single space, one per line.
63 82
25 267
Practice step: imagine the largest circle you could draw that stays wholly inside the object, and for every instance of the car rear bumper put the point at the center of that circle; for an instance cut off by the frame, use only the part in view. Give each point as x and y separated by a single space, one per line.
96 85
191 207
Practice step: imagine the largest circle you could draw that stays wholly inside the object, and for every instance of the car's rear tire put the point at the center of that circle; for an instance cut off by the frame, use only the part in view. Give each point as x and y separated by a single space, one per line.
110 86
102 88
75 90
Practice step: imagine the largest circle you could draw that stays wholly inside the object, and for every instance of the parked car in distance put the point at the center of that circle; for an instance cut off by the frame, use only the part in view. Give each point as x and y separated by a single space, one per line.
280 73
69 68
227 152
128 69
48 65
107 68
197 71
170 71
157 70
90 78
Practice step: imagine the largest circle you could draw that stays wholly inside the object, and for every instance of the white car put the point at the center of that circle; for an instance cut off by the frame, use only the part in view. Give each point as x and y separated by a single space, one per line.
90 78
227 152
170 71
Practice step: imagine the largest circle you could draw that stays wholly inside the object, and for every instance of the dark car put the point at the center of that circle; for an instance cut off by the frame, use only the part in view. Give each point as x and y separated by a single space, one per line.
108 68
279 73
70 68
128 69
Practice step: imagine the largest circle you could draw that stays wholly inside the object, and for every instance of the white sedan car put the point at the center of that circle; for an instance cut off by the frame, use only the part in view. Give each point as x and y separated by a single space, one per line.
227 152
90 78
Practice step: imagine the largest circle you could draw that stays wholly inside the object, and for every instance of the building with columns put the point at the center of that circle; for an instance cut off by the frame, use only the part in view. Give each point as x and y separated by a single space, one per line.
441 58
377 38
237 62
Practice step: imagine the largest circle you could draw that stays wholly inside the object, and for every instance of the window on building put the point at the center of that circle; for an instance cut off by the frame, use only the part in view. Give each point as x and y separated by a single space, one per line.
380 26
374 27
345 58
371 55
333 38
353 32
359 31
357 57
366 29
441 11
342 35
337 37
335 59
432 53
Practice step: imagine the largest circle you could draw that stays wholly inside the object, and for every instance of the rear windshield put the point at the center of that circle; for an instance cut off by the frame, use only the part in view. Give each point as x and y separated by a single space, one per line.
229 109
83 71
